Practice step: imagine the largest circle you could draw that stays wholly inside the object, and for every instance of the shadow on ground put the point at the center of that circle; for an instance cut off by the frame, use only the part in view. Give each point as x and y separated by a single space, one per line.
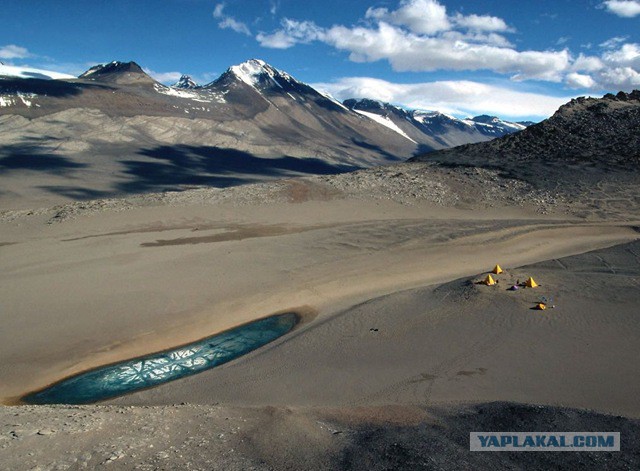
173 167
443 442
378 149
35 157
156 169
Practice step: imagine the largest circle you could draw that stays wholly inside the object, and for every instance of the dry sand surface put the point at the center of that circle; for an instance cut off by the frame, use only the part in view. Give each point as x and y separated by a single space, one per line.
398 337
196 437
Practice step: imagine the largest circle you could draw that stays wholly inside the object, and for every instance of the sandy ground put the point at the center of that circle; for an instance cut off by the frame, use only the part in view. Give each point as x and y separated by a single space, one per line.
458 342
194 437
397 323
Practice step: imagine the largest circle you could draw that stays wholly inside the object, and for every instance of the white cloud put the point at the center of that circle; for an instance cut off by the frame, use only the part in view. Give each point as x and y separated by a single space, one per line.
293 32
587 64
409 52
613 42
273 6
456 97
228 22
164 77
576 80
616 69
217 11
11 51
420 16
623 8
620 78
621 68
481 23
628 55
491 39
235 25
420 35
276 40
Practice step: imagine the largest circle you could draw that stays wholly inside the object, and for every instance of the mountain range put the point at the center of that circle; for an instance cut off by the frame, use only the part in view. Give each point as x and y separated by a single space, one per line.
115 130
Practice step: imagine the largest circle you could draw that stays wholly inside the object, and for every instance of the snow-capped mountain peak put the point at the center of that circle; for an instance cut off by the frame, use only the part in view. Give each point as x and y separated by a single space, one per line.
185 83
496 122
256 72
423 116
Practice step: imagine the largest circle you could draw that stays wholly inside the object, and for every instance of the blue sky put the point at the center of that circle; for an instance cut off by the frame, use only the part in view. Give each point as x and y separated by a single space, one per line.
516 59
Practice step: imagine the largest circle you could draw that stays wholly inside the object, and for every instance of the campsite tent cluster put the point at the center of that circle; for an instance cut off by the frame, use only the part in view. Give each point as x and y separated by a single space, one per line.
490 280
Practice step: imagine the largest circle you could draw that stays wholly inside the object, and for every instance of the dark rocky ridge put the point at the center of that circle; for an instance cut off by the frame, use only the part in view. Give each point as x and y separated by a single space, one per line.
589 150
122 73
584 131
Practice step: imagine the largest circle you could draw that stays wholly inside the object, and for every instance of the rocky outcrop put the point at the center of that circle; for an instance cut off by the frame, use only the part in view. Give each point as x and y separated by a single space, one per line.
585 131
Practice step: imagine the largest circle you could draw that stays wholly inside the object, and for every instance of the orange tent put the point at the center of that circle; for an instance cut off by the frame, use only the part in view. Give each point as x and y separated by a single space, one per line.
541 306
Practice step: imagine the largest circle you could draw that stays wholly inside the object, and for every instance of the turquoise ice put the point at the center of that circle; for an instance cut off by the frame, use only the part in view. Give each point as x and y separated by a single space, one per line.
145 372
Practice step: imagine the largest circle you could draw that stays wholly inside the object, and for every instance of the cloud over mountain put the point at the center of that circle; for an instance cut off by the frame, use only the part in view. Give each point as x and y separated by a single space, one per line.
421 35
462 97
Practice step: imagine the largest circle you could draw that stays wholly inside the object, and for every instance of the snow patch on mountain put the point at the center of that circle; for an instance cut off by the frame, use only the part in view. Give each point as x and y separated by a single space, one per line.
485 120
202 96
427 117
249 72
11 100
385 122
497 125
329 97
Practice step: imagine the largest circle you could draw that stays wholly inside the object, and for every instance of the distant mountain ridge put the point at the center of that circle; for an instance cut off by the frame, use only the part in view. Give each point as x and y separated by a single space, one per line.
441 126
185 82
117 130
425 130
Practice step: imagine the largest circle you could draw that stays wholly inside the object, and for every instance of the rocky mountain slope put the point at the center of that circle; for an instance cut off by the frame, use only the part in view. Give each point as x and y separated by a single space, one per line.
587 152
585 131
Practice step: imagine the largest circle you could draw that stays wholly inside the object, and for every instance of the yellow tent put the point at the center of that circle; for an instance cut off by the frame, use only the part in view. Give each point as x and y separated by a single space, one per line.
489 281
497 270
530 283
541 306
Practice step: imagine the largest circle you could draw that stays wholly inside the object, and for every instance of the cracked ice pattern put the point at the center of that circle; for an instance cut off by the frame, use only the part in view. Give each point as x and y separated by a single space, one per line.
115 380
